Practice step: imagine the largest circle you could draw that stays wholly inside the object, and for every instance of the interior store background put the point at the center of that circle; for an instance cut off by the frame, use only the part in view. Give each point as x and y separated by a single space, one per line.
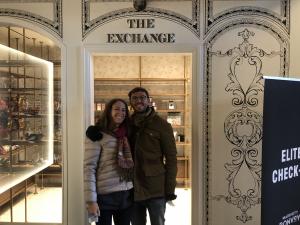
207 82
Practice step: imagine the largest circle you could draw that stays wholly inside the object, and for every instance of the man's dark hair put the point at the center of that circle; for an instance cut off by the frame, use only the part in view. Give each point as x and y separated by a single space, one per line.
138 89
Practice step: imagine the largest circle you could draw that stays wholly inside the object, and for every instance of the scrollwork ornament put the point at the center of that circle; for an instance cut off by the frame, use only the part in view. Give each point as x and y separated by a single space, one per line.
243 126
239 121
252 55
243 200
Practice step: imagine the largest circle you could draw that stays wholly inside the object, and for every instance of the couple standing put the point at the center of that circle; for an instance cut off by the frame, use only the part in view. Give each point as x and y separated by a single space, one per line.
130 165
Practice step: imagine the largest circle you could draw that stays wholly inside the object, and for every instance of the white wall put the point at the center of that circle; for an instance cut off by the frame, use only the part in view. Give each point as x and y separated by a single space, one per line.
75 116
221 36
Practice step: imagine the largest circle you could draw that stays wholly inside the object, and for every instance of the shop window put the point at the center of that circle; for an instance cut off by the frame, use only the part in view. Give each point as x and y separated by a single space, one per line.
30 128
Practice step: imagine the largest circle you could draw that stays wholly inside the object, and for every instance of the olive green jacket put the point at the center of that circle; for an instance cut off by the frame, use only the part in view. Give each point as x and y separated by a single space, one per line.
154 152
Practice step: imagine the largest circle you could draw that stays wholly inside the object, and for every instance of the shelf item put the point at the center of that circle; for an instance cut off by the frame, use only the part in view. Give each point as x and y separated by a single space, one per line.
171 105
170 96
174 119
26 116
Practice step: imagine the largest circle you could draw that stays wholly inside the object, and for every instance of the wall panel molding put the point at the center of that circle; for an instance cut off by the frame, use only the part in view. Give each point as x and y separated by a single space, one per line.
192 24
212 19
279 33
55 26
240 140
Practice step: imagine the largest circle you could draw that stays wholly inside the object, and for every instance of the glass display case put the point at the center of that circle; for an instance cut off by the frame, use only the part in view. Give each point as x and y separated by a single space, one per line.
26 116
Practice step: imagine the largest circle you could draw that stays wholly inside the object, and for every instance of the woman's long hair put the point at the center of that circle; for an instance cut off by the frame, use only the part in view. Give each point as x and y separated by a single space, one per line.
105 122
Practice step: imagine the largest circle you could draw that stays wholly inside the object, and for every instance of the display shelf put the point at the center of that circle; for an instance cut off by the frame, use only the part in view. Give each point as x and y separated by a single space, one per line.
54 169
19 63
27 63
181 179
182 158
27 115
26 121
180 126
20 90
182 143
50 176
18 75
24 142
169 110
15 191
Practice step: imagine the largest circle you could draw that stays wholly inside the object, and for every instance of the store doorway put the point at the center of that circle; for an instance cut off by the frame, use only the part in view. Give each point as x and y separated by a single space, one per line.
168 78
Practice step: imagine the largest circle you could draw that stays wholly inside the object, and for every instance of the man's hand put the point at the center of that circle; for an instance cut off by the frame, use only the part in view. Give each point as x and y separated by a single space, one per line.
170 197
93 208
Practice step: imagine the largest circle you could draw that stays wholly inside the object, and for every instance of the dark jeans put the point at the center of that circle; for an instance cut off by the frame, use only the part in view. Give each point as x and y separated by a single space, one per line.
116 205
120 216
156 208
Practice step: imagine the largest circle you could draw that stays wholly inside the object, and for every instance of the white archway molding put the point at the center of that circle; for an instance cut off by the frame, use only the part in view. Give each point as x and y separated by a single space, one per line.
282 17
127 13
11 21
261 21
192 23
36 16
277 30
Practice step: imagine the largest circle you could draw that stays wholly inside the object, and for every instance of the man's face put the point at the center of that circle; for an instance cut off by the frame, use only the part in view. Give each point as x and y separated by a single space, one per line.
139 101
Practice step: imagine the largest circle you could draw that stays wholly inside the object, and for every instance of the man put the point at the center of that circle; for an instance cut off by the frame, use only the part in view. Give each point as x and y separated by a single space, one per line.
155 162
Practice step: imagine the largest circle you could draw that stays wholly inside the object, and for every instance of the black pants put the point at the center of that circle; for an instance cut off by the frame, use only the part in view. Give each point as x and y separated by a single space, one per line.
156 208
120 216
117 205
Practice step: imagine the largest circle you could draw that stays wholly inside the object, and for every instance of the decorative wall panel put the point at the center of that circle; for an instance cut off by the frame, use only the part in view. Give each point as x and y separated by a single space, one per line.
233 123
116 9
36 11
217 11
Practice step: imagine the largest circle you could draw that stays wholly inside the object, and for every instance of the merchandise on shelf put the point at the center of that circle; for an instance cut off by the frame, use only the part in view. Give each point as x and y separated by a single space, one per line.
26 116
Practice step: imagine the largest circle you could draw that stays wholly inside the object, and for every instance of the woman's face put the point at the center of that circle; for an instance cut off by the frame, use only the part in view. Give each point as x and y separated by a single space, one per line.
118 112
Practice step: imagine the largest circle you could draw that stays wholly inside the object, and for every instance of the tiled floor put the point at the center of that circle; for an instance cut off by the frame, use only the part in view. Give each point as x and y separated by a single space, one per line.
46 206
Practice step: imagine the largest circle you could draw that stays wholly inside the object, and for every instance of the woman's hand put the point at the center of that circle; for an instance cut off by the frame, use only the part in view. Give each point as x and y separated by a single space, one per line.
93 208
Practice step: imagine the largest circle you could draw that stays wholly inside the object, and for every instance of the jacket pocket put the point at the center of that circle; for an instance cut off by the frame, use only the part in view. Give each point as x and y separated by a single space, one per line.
153 170
152 133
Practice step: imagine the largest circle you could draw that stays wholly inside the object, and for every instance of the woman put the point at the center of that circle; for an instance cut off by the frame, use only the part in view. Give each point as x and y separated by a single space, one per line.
108 166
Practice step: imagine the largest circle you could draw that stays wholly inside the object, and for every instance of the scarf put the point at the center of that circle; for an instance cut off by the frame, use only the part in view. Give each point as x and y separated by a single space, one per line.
124 157
139 118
